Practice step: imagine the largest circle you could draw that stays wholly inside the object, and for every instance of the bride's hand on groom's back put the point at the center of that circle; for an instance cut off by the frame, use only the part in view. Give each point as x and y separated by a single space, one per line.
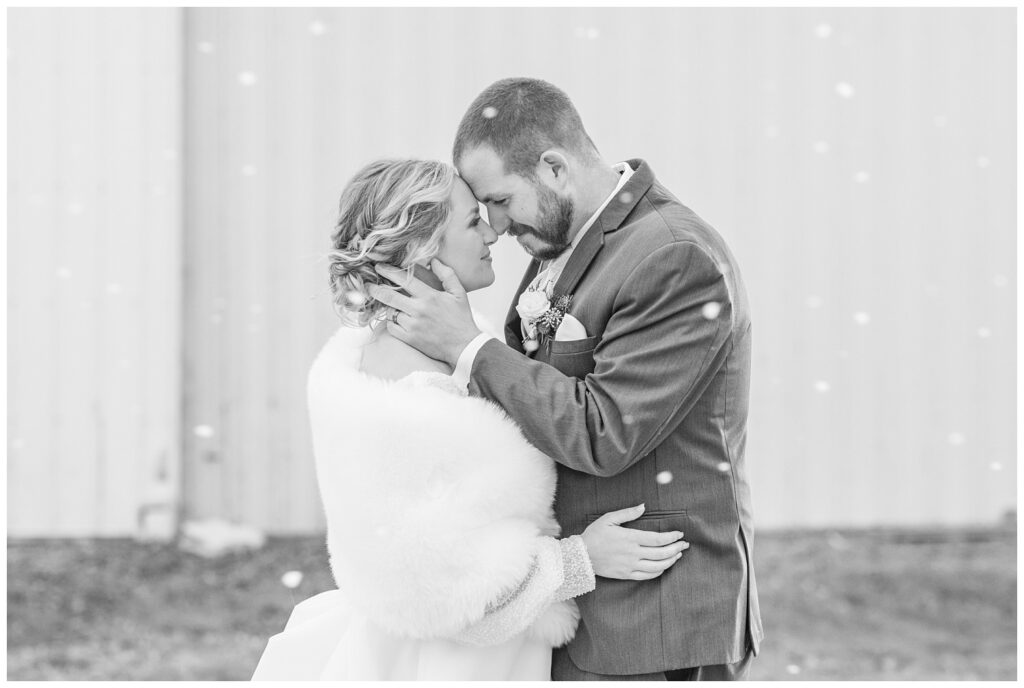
627 553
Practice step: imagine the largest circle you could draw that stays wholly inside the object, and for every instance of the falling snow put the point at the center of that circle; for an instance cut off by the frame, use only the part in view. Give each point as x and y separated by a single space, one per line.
246 78
711 310
844 90
664 478
75 208
956 439
625 198
64 273
113 288
822 386
995 466
814 301
862 177
205 47
203 431
291 579
489 112
1000 280
723 467
983 162
249 170
837 542
822 30
821 147
861 318
317 28
984 332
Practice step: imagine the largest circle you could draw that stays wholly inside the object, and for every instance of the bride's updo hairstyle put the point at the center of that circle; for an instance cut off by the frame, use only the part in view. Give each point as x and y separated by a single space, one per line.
391 212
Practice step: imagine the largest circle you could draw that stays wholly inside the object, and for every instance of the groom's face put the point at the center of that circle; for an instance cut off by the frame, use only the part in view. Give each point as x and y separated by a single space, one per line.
539 218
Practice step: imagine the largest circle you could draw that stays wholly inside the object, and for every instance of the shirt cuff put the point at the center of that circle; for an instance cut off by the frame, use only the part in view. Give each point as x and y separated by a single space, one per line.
464 366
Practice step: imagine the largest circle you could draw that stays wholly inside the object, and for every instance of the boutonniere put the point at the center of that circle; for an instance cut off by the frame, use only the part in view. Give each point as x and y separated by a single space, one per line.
540 315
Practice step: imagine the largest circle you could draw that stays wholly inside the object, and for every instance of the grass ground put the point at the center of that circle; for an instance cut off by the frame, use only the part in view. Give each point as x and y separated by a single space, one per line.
862 605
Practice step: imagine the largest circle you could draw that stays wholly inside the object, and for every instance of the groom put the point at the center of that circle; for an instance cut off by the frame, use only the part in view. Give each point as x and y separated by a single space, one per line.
635 380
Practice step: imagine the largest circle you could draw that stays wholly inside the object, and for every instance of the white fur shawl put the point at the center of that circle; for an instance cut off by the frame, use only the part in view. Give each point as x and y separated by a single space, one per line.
434 501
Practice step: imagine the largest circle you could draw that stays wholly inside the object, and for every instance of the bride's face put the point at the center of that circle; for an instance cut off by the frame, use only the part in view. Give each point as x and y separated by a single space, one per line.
465 247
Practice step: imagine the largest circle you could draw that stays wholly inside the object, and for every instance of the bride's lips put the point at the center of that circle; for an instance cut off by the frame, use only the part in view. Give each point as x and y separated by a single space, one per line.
487 256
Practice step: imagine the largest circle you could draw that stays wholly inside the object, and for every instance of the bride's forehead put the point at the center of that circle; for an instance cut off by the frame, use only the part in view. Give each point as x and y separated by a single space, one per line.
462 194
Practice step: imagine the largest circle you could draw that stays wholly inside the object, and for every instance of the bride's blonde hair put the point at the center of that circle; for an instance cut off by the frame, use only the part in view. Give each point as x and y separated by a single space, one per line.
392 212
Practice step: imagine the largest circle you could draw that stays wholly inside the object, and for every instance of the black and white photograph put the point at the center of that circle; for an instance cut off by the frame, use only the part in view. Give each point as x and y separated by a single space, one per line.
574 343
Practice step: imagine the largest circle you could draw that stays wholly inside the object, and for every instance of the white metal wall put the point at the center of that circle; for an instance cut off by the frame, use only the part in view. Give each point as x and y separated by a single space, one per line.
94 268
859 161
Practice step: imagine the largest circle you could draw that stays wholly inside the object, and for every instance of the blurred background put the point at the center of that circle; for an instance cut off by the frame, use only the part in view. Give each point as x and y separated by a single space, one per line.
172 182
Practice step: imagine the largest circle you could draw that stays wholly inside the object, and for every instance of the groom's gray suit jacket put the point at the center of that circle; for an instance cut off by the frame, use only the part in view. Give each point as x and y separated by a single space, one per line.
651 407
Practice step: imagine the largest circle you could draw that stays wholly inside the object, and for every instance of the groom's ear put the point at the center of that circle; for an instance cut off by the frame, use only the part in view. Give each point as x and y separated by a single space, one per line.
553 170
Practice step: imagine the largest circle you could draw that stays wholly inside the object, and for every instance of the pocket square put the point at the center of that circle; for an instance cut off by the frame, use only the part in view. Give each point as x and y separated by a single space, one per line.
570 330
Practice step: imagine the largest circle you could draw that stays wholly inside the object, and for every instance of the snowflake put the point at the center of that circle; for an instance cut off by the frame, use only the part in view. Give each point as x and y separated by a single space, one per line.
291 579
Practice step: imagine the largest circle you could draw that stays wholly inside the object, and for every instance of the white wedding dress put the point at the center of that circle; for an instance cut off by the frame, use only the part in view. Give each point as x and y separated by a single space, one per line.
478 589
327 639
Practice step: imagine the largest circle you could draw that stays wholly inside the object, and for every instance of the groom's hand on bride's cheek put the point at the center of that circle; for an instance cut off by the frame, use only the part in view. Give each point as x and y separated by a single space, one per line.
438 323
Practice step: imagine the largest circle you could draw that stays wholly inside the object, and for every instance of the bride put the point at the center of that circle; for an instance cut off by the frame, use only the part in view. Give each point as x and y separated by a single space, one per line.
440 530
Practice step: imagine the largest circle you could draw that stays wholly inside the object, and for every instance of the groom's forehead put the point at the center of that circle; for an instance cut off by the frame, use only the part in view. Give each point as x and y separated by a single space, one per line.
482 164
485 172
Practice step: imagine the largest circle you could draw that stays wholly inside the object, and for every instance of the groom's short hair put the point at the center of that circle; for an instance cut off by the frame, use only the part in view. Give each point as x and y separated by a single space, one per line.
520 118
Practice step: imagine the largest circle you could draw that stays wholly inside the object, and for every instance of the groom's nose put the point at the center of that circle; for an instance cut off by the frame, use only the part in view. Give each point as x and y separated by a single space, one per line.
498 220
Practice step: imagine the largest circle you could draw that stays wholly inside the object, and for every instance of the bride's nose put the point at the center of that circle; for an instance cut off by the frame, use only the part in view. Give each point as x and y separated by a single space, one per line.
488 233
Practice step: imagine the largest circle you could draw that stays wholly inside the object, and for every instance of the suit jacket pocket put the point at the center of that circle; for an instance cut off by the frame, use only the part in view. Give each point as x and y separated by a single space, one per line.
574 346
575 357
670 514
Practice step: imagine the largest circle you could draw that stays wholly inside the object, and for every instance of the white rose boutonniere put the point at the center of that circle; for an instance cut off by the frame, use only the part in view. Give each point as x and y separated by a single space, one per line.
532 305
540 315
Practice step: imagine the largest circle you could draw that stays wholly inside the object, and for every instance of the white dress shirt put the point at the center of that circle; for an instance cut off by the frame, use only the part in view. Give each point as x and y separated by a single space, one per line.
553 269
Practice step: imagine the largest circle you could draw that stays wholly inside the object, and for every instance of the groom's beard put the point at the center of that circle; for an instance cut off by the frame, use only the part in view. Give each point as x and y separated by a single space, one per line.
553 226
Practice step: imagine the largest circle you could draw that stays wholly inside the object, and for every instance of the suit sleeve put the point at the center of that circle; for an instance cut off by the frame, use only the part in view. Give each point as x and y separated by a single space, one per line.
657 355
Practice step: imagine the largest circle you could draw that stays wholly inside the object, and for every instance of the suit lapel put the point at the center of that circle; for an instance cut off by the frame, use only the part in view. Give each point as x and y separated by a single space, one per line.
581 258
512 320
